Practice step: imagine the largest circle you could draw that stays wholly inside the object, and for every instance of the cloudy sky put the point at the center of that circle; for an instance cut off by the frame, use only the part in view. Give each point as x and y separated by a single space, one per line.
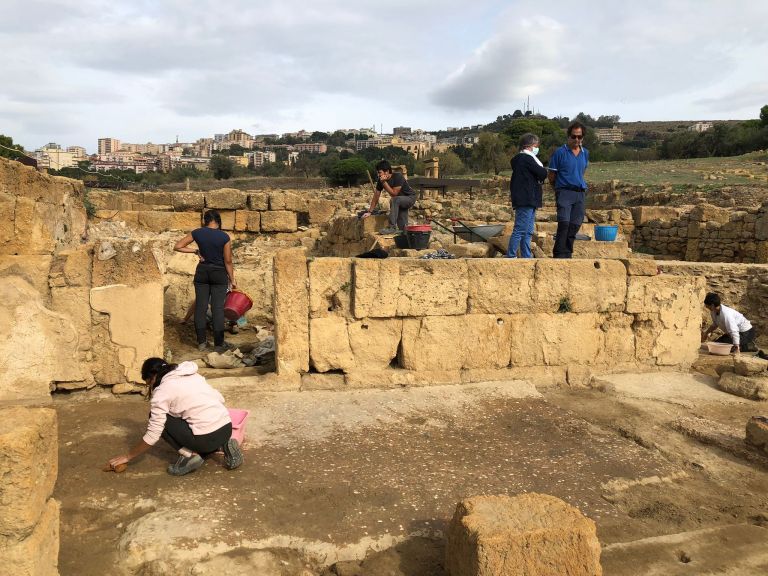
149 70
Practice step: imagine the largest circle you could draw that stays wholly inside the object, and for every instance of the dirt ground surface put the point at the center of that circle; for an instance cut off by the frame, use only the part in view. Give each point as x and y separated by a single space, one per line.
363 482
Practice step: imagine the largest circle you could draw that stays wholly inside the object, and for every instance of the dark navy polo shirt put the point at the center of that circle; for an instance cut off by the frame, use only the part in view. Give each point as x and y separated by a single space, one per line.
570 168
210 242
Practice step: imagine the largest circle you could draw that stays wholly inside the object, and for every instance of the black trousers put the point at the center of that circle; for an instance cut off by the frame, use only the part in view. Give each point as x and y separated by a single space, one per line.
747 340
211 284
570 215
179 435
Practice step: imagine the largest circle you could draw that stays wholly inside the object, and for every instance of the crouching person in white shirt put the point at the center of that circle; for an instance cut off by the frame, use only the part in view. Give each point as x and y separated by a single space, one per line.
737 330
186 412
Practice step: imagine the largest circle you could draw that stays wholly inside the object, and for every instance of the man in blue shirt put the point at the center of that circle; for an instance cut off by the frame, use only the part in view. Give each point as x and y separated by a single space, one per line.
567 167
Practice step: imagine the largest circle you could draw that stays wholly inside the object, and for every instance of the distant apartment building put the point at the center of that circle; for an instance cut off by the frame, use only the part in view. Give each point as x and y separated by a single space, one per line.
414 148
52 157
108 146
292 158
78 151
315 147
401 131
135 165
381 142
609 135
198 163
257 159
700 127
468 140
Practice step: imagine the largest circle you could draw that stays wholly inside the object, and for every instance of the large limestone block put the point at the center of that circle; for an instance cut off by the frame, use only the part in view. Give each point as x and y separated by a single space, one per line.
757 432
586 286
374 341
618 339
287 201
750 366
74 302
644 214
38 553
32 268
40 345
278 221
226 199
709 213
677 299
156 221
330 287
329 347
321 211
185 221
291 308
28 467
640 267
526 535
501 285
396 378
659 341
135 322
247 220
433 343
404 287
188 201
751 388
258 201
555 339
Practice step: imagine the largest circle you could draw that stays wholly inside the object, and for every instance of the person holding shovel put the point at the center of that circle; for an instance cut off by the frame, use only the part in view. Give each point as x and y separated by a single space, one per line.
188 414
525 192
402 197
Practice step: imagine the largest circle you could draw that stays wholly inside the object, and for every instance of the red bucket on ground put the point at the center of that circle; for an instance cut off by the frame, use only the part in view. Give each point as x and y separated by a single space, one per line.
239 420
236 304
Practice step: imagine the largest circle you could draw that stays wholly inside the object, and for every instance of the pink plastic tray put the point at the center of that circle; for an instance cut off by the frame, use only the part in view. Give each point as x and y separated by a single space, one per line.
239 421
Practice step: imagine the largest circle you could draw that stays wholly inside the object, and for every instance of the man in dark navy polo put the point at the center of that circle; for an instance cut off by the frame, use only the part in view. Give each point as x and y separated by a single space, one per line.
567 166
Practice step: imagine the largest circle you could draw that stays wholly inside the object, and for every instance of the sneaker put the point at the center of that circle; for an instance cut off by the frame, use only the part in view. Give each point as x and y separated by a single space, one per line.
233 329
203 346
221 348
233 456
385 231
185 465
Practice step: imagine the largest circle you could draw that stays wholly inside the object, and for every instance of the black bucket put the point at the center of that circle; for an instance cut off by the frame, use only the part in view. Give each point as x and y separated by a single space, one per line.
418 240
401 240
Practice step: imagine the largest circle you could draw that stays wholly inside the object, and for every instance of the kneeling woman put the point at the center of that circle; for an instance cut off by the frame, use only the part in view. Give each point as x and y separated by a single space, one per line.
188 414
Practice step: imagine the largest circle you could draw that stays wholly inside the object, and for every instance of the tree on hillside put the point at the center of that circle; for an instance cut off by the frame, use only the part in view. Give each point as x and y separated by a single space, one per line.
585 119
764 115
607 121
517 114
489 154
222 167
450 164
349 172
318 137
7 142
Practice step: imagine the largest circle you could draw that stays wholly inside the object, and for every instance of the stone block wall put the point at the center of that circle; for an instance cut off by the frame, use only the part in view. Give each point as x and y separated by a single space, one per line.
243 212
400 321
29 516
75 314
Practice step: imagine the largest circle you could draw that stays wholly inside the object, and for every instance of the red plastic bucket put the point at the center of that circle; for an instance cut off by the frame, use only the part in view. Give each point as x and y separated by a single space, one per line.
236 304
419 228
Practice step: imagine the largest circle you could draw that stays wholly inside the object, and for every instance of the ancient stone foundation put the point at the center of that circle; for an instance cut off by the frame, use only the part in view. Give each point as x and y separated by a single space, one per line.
407 321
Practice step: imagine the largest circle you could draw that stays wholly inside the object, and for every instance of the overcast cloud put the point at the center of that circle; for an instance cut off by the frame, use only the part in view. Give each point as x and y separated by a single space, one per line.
151 70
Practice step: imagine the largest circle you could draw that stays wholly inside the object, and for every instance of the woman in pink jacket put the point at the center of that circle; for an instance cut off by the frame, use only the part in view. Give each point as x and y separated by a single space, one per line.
187 413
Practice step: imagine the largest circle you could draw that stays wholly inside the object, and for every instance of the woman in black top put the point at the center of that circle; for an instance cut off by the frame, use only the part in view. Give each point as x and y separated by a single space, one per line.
213 276
525 190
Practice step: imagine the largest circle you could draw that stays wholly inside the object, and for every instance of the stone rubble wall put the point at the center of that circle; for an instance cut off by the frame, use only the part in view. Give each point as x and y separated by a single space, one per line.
76 314
703 233
29 516
408 321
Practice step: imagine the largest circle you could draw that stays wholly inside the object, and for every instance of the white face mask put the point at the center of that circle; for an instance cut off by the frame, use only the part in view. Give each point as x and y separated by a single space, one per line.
535 150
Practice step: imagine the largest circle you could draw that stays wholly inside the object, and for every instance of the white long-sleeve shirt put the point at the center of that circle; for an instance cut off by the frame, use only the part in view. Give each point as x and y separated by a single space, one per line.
184 393
732 322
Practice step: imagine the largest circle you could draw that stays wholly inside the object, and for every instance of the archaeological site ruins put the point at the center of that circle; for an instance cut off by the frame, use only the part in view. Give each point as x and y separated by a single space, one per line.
439 411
